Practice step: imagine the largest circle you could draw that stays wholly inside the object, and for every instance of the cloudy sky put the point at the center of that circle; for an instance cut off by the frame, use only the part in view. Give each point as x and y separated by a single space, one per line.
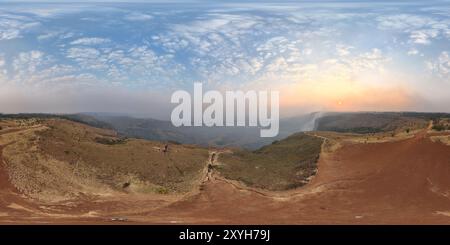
130 57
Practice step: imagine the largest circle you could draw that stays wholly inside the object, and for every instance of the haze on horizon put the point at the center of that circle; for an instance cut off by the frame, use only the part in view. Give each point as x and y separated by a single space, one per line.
130 57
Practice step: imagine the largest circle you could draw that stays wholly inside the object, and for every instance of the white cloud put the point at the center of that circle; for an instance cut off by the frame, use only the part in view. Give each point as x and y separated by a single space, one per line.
228 46
90 41
3 72
423 36
2 60
47 35
137 64
88 58
83 53
12 27
413 51
46 10
9 34
135 16
403 22
441 66
373 59
343 50
421 29
38 69
28 61
66 35
338 68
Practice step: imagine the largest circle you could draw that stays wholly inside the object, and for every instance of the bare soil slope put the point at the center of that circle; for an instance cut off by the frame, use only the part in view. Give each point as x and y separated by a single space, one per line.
404 181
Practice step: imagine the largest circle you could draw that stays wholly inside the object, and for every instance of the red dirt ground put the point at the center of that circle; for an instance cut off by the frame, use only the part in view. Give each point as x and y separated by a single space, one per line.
403 182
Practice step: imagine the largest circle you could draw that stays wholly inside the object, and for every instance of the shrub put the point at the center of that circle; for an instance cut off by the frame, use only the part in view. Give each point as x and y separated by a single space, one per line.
162 190
110 141
439 127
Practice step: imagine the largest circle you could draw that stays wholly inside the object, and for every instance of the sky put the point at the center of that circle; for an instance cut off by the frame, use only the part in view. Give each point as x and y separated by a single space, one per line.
130 57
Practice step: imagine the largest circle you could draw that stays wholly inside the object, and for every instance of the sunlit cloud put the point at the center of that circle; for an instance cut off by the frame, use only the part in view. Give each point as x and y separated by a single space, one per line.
334 56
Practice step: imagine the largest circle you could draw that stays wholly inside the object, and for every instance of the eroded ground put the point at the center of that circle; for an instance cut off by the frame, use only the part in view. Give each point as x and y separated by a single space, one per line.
379 179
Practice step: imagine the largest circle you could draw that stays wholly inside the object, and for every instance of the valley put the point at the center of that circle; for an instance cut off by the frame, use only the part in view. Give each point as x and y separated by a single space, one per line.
55 170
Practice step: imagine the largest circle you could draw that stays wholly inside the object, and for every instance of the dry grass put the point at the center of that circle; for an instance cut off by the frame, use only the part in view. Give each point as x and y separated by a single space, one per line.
283 165
444 139
41 176
60 160
336 140
369 123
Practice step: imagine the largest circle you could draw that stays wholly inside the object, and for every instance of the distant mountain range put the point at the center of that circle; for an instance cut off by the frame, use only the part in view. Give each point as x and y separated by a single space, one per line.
247 137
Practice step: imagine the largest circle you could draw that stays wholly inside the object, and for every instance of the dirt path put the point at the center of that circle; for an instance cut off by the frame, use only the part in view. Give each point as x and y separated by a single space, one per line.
210 165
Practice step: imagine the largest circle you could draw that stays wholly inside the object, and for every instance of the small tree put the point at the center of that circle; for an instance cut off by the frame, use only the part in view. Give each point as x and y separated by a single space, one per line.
407 130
